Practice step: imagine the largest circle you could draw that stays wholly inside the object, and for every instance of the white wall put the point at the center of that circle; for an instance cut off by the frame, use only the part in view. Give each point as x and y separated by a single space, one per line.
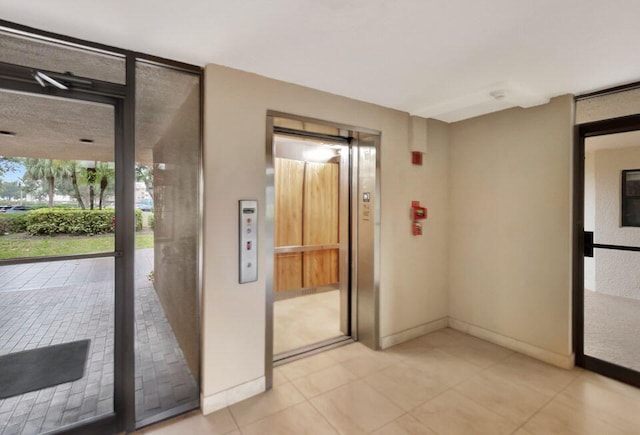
589 215
413 288
510 261
617 273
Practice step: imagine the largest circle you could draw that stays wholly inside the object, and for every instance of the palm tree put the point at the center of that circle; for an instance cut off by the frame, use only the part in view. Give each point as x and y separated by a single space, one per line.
145 174
69 170
44 169
104 173
89 175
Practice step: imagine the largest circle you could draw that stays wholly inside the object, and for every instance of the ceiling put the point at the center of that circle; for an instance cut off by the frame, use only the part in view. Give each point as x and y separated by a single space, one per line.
447 59
53 128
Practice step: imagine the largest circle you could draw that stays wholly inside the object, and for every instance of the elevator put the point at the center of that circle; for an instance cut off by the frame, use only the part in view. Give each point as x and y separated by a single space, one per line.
322 232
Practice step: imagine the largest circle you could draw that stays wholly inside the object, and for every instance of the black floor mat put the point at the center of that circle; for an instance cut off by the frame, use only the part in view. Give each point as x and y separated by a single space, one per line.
40 368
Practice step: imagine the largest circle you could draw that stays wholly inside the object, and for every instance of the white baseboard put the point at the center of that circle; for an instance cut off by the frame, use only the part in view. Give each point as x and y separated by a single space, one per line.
222 399
563 361
410 334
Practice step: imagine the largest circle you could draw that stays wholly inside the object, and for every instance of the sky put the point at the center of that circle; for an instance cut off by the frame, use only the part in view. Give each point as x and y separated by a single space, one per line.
14 175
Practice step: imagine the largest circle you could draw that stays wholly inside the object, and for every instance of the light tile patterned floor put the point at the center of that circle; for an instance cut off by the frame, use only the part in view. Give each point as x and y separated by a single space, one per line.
442 383
305 320
58 302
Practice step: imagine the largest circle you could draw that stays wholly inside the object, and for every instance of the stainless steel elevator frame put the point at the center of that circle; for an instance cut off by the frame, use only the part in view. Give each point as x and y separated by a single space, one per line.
360 269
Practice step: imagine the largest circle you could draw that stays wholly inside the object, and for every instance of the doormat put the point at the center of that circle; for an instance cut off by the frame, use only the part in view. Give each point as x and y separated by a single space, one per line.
35 369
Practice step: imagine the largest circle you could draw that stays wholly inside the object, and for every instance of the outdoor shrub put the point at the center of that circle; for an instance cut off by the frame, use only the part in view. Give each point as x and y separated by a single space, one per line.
138 220
150 221
13 223
70 221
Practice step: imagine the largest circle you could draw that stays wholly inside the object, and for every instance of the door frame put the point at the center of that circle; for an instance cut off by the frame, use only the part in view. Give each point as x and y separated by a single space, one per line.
19 79
581 133
124 96
361 315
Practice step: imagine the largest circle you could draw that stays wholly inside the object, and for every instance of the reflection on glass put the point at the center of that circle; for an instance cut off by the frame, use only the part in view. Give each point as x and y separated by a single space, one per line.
166 286
56 346
56 57
612 277
57 177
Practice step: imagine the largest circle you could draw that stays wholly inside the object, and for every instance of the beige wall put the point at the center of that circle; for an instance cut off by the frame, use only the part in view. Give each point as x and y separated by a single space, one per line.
510 226
413 269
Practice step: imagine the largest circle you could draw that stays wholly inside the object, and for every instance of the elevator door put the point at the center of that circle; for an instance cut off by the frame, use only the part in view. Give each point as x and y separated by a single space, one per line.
311 183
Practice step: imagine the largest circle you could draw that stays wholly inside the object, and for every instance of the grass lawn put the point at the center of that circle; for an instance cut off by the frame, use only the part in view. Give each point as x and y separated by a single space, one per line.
38 246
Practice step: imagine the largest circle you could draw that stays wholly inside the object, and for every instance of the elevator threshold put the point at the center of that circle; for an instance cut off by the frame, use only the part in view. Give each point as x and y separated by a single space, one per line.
312 349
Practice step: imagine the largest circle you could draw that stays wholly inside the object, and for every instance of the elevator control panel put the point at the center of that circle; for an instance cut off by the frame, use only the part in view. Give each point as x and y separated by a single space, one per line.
248 238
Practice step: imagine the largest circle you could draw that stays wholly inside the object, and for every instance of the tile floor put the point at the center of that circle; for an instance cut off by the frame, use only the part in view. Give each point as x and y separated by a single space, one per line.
441 383
57 302
305 320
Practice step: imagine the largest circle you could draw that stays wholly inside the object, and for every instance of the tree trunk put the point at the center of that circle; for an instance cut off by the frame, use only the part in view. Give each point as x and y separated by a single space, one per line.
74 181
104 182
92 196
50 181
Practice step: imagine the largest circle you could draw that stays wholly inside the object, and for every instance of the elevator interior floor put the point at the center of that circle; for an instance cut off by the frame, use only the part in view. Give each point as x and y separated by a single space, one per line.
305 320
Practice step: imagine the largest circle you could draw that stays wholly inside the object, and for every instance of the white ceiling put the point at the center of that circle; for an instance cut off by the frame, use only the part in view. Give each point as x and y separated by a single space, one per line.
435 58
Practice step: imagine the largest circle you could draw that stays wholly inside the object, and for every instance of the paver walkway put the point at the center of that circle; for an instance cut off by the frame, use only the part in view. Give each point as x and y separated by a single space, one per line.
49 303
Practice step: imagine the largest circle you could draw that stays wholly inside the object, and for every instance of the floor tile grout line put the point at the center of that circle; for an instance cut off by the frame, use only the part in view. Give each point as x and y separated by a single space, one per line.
323 416
545 404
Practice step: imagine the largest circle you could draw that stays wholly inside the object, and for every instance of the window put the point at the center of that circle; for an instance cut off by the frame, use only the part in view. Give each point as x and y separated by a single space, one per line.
631 198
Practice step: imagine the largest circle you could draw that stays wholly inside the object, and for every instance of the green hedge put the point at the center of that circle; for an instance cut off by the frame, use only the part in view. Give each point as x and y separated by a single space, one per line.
13 223
150 221
138 220
74 221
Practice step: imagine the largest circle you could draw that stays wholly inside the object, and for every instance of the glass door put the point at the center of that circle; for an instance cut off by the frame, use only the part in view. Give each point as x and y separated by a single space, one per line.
611 295
59 187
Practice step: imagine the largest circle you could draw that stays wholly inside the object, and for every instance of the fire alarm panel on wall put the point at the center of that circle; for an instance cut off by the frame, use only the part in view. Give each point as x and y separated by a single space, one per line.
418 213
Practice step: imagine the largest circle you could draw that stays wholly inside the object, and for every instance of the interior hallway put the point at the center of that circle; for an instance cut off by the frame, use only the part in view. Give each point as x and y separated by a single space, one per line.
445 382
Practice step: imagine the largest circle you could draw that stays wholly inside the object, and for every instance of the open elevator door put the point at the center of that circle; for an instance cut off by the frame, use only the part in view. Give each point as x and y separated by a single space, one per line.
311 241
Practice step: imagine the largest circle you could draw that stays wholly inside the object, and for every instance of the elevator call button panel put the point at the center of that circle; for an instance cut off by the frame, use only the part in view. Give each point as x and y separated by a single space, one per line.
248 214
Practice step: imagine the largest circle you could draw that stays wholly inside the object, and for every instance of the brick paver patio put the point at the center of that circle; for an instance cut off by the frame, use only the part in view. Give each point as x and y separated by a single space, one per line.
50 303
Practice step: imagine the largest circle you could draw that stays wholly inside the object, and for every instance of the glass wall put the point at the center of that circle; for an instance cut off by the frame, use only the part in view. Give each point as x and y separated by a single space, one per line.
56 344
167 194
61 58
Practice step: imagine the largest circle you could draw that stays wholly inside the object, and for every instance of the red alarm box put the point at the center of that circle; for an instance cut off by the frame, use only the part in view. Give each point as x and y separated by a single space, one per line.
416 228
417 212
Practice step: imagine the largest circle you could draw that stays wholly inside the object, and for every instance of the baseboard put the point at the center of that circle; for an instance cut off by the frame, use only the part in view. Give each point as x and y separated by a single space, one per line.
236 394
410 334
563 361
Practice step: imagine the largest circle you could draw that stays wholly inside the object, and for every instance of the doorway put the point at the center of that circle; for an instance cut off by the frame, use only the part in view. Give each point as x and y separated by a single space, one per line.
60 266
322 274
311 242
607 297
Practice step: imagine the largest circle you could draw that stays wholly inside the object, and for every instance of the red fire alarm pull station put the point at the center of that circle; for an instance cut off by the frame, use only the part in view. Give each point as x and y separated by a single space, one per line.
416 158
417 214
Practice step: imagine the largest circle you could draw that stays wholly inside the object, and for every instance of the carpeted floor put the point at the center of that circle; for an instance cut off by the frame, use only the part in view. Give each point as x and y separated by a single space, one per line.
612 329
